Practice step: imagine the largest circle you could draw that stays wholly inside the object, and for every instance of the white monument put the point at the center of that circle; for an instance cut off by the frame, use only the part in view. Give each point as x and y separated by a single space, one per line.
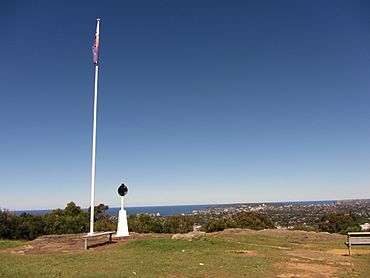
122 229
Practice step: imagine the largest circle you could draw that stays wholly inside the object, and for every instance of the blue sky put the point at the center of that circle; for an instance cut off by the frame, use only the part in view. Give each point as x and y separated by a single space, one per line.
199 101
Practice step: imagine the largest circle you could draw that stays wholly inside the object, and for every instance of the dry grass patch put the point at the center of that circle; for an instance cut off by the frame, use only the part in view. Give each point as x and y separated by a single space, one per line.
344 251
296 269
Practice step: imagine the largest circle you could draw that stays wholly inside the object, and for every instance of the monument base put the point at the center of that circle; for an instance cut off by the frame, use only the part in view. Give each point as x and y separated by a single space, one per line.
122 229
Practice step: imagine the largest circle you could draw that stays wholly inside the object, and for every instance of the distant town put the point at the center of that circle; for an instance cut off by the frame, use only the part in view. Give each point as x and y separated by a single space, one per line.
303 215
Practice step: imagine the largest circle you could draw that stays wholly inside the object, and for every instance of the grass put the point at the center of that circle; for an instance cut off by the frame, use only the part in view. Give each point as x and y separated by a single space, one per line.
223 255
4 244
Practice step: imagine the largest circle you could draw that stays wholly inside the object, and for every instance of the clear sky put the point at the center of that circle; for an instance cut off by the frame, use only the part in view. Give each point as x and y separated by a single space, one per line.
199 101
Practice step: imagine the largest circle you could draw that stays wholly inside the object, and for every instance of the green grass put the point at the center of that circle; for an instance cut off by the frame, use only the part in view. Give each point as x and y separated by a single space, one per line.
218 256
4 244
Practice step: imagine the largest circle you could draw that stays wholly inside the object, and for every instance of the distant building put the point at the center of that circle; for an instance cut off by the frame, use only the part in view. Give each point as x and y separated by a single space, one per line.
365 227
196 227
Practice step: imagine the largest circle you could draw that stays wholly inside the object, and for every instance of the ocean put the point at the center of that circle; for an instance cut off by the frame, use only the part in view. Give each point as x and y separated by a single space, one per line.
162 210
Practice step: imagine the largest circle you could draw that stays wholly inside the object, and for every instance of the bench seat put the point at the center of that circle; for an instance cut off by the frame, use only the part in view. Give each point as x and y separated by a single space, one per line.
357 238
89 236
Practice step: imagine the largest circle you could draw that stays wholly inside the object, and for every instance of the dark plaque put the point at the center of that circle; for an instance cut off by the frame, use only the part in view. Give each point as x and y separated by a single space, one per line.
122 190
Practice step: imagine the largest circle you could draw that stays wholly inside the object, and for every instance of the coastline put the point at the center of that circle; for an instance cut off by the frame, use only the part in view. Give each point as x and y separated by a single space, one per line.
184 209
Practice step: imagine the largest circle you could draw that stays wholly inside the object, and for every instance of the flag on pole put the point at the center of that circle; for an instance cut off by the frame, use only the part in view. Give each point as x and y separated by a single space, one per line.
95 50
95 46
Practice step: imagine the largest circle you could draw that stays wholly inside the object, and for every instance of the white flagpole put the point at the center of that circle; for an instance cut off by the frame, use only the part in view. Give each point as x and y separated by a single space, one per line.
93 158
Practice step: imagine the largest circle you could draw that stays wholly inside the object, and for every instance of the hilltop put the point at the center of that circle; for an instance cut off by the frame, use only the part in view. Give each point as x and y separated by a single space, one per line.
231 253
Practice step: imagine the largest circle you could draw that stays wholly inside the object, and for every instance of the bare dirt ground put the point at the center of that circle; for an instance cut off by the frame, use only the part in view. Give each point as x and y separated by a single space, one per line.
308 270
57 244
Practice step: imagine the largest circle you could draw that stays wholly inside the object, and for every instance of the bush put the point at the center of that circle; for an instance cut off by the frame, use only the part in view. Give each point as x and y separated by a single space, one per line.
245 220
144 223
30 226
218 225
339 223
71 220
177 224
25 226
254 221
8 225
105 223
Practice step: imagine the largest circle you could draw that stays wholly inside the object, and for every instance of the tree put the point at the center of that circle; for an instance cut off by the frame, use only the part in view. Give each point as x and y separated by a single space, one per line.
30 226
72 209
100 209
178 224
218 225
103 221
144 223
338 223
7 224
71 220
254 221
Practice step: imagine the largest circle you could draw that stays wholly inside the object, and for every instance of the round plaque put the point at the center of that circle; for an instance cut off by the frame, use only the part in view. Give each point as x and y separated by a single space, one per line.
122 190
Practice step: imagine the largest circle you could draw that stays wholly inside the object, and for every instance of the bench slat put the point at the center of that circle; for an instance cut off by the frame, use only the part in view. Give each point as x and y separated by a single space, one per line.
359 239
354 234
363 242
98 234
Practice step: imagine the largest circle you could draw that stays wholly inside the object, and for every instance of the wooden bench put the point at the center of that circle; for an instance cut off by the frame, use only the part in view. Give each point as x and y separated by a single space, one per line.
358 238
87 237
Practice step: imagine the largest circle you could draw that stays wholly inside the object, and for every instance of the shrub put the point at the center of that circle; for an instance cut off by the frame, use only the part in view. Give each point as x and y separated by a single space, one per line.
25 226
178 224
8 225
338 223
71 220
143 223
244 220
217 225
30 226
254 221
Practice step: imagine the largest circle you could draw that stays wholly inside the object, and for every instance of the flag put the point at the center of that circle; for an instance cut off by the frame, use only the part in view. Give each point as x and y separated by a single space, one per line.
95 50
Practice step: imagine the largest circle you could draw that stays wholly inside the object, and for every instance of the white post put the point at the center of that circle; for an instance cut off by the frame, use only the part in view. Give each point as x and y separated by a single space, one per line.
122 229
93 157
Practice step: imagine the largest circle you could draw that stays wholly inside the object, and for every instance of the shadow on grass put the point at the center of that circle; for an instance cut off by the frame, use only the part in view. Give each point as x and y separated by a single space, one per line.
95 245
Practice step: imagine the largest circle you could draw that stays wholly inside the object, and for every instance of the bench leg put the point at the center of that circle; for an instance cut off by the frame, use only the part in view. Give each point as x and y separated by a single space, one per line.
86 247
349 249
110 238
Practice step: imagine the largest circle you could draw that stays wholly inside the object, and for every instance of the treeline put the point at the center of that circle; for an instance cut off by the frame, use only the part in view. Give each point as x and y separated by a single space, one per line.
72 220
340 223
332 223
